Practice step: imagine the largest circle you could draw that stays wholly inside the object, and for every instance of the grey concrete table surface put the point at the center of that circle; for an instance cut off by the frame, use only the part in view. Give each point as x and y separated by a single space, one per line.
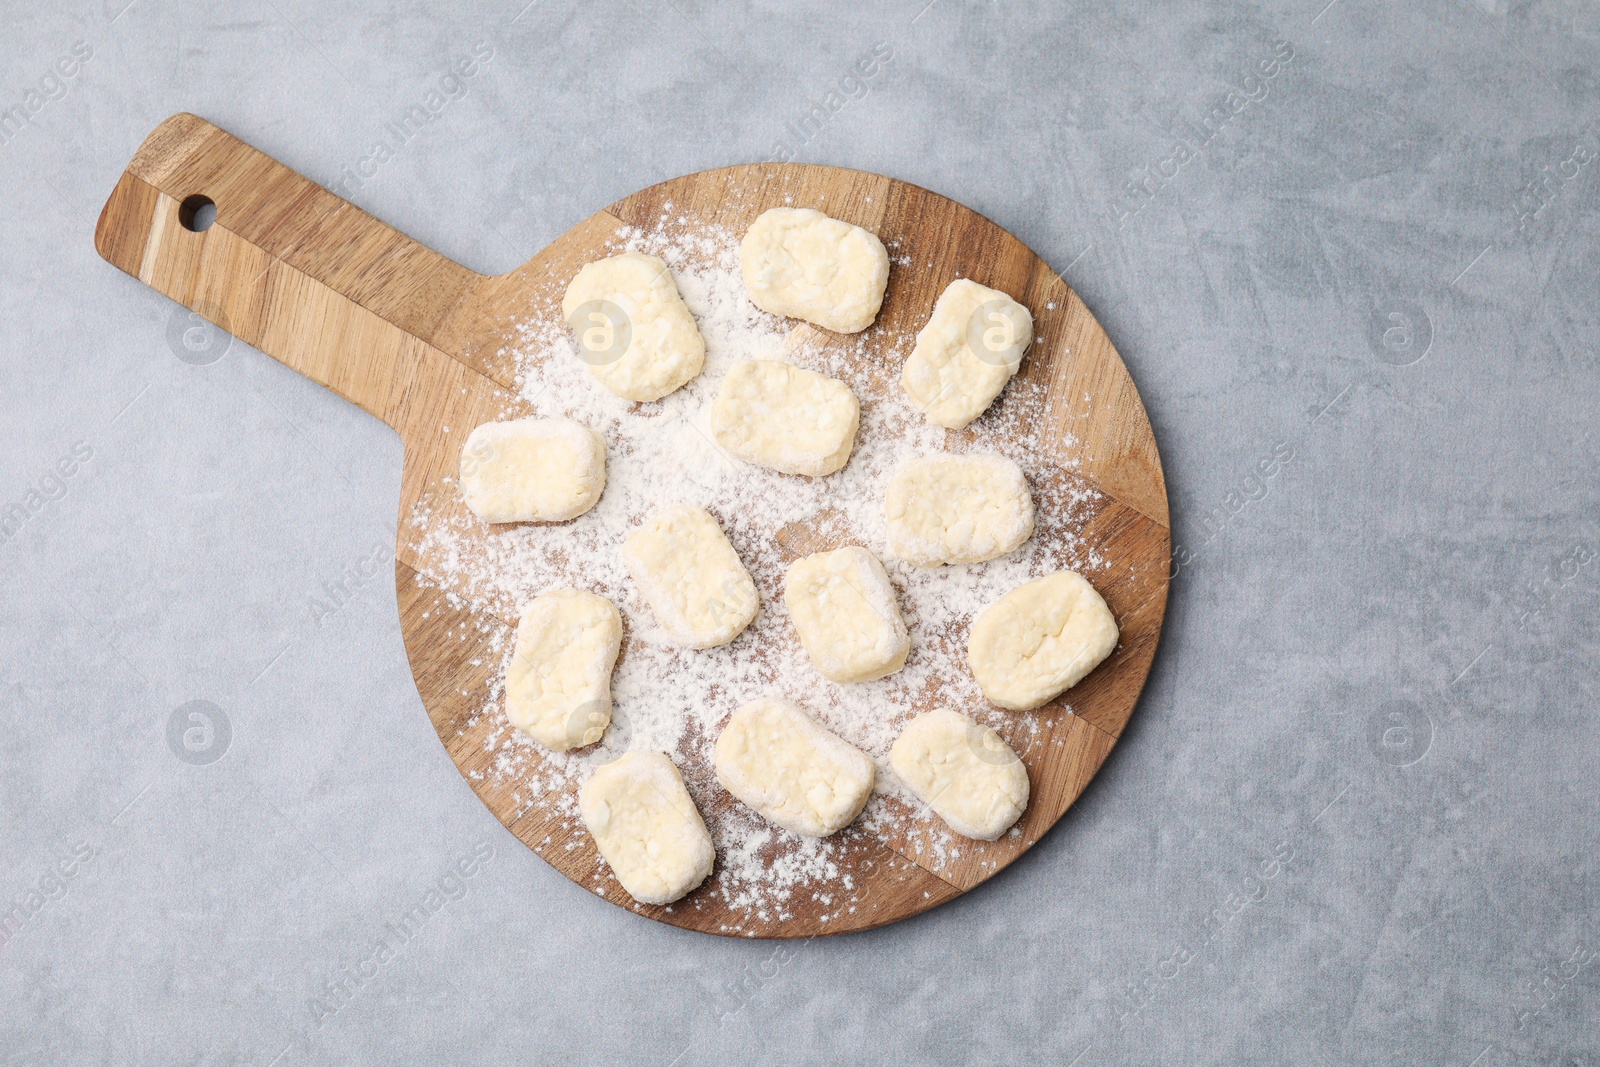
1354 819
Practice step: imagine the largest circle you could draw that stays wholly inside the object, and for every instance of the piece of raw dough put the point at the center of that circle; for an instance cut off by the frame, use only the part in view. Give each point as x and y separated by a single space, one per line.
691 577
558 687
801 263
785 418
532 470
948 379
775 758
957 509
845 612
964 771
646 826
633 328
1039 640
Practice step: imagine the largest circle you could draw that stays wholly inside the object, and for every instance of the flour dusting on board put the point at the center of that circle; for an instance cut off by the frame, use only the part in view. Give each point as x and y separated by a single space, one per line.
676 700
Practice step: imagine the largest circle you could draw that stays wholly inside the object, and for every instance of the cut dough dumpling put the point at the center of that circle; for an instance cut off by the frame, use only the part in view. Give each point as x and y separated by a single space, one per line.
801 263
785 417
845 612
957 509
558 687
532 470
775 758
647 827
691 577
964 771
632 326
1039 640
972 345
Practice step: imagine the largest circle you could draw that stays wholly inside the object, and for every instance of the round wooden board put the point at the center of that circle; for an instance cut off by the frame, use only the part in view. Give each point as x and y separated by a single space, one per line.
427 345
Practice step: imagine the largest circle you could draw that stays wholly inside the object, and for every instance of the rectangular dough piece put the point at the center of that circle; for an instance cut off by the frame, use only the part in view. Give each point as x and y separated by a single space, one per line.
1039 640
647 827
957 509
632 326
558 687
785 418
532 470
800 263
964 771
844 610
972 345
691 577
778 760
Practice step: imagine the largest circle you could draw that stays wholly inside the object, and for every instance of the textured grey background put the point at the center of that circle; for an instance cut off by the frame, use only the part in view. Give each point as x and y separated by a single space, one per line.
1354 820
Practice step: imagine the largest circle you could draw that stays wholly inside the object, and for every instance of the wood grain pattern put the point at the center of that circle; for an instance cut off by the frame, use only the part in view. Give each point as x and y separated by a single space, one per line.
421 342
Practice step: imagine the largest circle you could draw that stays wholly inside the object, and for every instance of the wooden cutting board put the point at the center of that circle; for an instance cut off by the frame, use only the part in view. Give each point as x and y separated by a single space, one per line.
422 343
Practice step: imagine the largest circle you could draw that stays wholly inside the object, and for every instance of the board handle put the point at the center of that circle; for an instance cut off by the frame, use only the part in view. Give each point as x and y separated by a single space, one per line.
287 266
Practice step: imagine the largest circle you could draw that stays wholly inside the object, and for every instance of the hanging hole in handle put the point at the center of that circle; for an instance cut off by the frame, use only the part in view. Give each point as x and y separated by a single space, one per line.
197 213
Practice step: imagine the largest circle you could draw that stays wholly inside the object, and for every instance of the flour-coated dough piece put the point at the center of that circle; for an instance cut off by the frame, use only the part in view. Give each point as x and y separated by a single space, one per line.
785 417
664 348
691 577
845 612
532 470
558 687
647 827
957 509
964 771
949 382
801 263
778 760
1039 640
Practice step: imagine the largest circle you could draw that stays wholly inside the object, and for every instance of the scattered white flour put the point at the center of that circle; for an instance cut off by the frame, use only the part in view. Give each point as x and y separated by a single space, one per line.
676 700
